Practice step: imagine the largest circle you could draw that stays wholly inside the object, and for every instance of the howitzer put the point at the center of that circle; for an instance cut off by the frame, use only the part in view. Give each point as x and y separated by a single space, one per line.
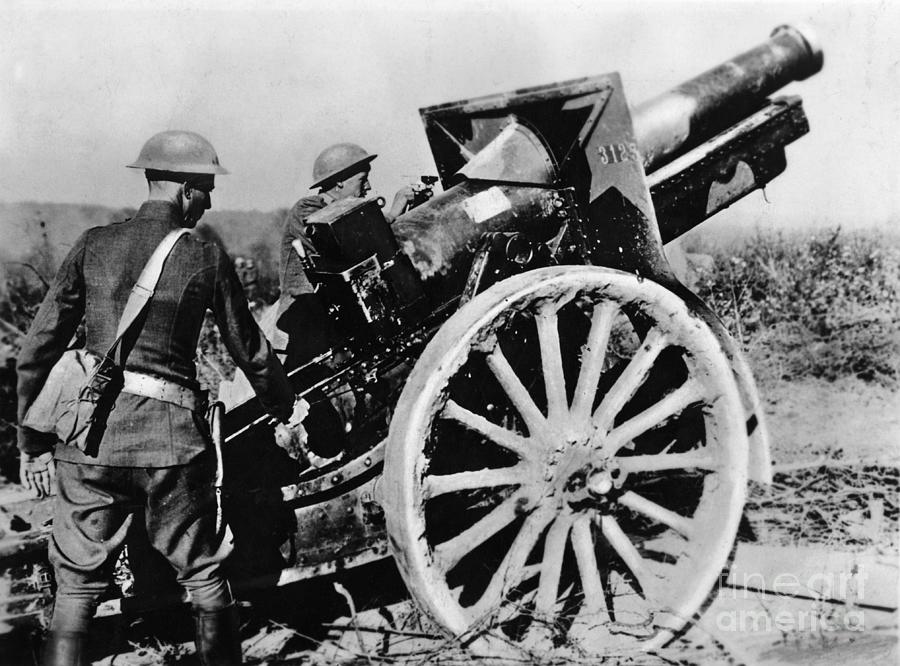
550 434
726 107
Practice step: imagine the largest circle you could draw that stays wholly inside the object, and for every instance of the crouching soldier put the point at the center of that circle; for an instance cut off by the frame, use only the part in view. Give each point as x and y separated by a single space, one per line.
341 171
155 460
300 324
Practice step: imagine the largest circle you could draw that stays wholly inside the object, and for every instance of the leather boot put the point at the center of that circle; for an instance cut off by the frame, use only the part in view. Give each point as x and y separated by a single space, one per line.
218 638
65 648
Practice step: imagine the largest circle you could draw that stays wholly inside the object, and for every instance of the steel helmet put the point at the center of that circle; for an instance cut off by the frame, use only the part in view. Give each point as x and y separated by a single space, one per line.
337 160
179 151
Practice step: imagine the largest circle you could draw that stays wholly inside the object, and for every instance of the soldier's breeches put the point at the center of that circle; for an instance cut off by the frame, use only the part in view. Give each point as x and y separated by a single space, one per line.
94 508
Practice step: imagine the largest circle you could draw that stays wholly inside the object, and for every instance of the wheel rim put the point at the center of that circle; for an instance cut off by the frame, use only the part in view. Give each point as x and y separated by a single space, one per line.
530 484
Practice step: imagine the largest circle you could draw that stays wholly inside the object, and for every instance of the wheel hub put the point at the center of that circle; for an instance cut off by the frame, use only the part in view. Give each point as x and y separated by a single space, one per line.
593 486
600 482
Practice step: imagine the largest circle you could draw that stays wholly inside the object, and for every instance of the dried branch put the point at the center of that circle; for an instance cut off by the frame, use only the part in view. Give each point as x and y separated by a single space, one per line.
12 328
34 270
340 589
835 502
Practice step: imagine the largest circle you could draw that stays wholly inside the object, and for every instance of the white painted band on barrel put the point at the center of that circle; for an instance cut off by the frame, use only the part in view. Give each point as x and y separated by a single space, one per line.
485 205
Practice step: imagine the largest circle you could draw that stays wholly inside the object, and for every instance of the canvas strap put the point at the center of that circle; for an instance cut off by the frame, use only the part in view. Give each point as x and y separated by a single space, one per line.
145 286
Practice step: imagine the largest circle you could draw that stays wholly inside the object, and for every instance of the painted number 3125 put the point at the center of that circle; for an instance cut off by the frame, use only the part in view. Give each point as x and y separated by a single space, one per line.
618 152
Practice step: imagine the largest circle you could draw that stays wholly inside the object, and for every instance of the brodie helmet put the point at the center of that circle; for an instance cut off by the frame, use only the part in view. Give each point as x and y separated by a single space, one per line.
340 159
179 151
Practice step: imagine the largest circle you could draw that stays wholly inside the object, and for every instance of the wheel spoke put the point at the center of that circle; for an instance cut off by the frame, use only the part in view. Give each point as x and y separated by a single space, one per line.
441 484
669 543
551 566
629 381
551 362
450 552
626 605
508 439
509 572
660 514
511 611
516 391
592 360
629 554
672 404
530 571
583 545
697 459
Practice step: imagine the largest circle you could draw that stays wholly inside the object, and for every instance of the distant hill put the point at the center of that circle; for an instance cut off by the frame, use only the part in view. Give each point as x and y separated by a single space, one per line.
42 233
253 233
29 228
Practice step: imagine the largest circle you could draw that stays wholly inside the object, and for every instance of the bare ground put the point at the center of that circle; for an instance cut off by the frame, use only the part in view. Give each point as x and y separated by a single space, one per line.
814 418
848 424
815 426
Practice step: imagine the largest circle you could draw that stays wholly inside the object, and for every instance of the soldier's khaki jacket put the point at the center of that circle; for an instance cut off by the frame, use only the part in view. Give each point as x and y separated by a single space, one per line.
93 283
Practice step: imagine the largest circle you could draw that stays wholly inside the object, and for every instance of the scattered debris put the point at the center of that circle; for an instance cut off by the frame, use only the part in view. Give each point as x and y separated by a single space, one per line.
835 503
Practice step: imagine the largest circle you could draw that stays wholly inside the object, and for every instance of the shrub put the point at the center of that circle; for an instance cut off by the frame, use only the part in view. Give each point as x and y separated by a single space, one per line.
823 305
22 288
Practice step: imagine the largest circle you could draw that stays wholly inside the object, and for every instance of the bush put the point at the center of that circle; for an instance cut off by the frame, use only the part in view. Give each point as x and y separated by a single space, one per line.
823 305
22 288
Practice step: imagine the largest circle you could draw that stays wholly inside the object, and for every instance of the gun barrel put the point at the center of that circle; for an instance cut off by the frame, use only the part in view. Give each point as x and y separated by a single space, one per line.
685 116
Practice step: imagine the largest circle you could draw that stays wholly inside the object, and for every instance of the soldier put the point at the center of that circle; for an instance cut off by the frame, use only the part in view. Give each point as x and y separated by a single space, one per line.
156 457
340 171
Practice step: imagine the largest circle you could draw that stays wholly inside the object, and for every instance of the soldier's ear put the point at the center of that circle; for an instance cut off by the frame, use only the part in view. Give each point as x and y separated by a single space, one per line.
186 190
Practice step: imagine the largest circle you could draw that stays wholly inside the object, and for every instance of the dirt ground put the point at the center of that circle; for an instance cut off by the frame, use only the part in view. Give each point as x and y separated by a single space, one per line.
850 423
814 418
810 421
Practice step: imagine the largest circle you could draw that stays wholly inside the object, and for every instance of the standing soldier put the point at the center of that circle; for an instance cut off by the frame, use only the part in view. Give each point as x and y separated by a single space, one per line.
156 458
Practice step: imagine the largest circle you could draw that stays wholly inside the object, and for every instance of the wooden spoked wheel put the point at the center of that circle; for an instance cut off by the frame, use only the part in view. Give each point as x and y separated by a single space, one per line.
567 464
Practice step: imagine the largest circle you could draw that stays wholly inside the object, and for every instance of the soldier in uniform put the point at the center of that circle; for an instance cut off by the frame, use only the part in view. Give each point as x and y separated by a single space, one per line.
340 171
156 458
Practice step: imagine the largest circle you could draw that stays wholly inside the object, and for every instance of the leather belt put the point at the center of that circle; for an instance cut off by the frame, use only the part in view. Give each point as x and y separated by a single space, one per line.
161 389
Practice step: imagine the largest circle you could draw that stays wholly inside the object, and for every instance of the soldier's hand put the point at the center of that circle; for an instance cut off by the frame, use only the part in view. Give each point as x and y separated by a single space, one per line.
37 473
301 409
402 199
293 440
284 437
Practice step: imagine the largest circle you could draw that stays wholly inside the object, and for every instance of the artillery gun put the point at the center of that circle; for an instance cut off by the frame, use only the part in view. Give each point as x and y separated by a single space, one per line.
547 431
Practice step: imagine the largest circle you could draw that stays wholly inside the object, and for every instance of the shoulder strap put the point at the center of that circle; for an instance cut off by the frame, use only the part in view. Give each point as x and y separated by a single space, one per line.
143 290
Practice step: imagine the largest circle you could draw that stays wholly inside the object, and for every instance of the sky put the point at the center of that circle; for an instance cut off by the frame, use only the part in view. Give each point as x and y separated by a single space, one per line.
82 88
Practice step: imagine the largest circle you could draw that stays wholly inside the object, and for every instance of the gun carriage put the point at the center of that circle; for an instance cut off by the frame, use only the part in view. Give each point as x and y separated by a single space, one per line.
547 431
